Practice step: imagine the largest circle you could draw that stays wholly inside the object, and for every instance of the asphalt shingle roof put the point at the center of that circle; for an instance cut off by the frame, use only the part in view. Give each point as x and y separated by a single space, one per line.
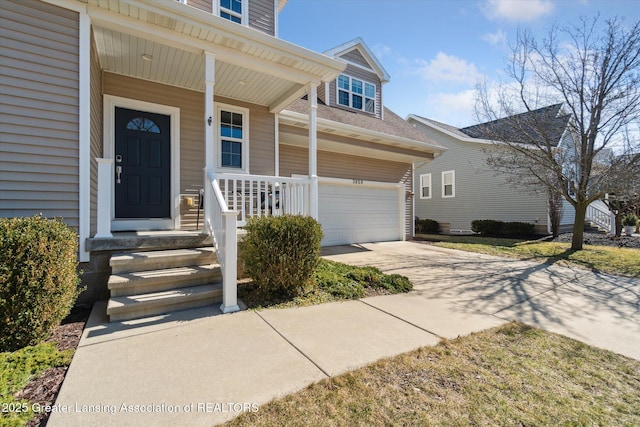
392 124
537 126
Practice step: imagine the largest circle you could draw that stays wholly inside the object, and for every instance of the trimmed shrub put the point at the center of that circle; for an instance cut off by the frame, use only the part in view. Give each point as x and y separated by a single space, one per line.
38 279
426 226
489 227
281 254
522 229
486 227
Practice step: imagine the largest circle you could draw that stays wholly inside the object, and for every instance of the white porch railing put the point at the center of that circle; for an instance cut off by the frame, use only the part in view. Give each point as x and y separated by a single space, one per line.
259 195
600 215
221 223
229 199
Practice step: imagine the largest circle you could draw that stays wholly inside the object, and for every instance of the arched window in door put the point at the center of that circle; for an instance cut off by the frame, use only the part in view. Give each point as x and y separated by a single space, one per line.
143 124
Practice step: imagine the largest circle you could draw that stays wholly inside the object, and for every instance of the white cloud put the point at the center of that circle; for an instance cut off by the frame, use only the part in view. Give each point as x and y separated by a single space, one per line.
448 68
452 108
381 50
497 38
518 10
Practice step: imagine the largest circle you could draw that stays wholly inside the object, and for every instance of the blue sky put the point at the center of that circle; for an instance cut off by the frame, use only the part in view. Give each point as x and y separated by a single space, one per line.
436 50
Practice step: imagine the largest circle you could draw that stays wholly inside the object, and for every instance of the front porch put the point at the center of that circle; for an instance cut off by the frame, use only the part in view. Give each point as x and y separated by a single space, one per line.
213 90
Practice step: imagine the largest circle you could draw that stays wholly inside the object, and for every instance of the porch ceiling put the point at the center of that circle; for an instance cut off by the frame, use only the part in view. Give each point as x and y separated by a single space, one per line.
145 59
250 66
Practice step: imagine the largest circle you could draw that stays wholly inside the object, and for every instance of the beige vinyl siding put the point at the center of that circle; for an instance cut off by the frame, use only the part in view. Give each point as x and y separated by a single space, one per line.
261 16
358 73
295 160
38 110
205 5
191 104
261 13
356 57
322 93
478 193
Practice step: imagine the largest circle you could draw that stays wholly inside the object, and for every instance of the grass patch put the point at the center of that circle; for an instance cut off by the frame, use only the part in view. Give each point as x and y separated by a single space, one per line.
510 375
335 281
17 369
620 261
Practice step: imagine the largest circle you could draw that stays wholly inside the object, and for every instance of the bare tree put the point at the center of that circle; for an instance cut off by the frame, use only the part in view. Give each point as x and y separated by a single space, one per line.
556 209
594 79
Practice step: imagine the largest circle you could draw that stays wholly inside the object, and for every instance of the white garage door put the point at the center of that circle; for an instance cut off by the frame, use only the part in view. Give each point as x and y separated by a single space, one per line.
359 213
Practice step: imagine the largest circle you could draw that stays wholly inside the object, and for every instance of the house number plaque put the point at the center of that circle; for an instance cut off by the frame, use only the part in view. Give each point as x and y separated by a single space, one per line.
358 181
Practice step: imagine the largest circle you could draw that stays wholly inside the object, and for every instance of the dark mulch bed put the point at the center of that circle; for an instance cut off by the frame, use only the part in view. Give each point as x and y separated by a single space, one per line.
44 389
600 239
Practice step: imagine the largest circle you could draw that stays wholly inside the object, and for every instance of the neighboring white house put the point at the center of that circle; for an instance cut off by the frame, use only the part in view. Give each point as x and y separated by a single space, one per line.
458 187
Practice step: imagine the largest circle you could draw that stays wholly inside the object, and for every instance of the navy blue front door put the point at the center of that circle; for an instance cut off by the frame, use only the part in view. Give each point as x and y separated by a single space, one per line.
142 165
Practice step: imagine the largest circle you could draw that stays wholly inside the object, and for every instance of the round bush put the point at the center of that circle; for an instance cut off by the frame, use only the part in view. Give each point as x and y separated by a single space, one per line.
38 279
281 253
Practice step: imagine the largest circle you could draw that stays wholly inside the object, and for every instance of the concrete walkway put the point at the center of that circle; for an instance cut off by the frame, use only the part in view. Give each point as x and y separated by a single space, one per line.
197 367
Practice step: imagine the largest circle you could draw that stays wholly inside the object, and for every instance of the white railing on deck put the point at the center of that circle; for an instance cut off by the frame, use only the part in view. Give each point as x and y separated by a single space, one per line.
221 224
599 216
259 195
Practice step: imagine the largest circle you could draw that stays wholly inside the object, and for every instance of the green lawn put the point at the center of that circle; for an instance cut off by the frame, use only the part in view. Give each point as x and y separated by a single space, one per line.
621 261
510 375
17 369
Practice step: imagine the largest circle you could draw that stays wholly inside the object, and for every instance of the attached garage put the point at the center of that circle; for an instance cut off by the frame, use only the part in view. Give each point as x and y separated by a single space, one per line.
360 211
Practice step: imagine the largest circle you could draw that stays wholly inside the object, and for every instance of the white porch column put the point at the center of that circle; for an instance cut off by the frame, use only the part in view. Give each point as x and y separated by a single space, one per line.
209 132
105 180
313 149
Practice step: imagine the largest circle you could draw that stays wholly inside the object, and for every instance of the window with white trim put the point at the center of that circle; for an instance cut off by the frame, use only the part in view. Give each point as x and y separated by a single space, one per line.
425 186
231 10
233 138
356 94
448 184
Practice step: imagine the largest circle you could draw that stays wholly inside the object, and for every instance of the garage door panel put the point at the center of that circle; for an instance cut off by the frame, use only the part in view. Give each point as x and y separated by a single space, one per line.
358 214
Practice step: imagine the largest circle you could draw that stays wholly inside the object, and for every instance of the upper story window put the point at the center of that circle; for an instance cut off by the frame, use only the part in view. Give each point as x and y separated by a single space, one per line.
231 10
356 94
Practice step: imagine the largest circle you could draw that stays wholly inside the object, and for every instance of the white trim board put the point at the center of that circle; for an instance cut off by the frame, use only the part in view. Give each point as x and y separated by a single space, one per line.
110 104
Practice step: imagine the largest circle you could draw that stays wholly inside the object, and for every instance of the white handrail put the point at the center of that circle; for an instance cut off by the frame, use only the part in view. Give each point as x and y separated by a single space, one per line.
599 216
262 195
221 224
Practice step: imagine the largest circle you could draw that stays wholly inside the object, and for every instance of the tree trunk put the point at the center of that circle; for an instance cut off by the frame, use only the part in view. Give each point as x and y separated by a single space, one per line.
578 226
618 224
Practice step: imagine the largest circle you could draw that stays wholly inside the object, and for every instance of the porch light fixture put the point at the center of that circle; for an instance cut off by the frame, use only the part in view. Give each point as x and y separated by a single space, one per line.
147 57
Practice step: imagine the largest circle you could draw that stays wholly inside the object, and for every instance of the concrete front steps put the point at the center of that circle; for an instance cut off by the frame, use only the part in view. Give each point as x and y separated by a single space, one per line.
162 281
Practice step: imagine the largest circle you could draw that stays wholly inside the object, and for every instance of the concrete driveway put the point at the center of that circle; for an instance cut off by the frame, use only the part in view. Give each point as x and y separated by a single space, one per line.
596 308
199 368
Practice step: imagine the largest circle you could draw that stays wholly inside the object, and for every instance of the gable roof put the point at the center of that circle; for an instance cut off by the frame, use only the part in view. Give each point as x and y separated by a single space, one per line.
536 126
358 43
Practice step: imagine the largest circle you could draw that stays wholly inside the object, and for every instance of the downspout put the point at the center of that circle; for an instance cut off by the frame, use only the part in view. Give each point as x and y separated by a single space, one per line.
84 135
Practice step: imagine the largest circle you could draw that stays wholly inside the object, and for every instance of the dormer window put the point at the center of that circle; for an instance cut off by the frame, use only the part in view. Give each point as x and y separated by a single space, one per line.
357 94
231 10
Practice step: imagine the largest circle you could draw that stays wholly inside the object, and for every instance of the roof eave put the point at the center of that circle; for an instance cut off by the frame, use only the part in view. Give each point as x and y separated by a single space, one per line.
192 15
368 133
447 131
